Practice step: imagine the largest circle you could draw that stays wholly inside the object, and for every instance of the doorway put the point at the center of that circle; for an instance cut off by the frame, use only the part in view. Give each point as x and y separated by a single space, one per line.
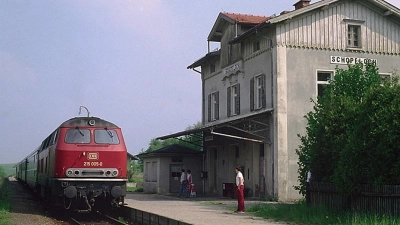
174 178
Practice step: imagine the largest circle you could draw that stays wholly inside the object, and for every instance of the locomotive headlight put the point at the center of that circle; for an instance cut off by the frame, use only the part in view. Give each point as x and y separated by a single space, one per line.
115 173
69 173
92 122
108 173
76 172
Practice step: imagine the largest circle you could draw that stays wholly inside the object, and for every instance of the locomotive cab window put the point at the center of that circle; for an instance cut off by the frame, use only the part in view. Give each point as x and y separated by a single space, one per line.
77 135
106 137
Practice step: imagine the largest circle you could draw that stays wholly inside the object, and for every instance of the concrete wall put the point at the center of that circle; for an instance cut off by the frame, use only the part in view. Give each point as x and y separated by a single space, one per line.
301 85
163 183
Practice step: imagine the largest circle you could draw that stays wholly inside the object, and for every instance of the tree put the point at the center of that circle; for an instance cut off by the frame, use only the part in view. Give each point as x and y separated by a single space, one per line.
2 172
348 131
187 140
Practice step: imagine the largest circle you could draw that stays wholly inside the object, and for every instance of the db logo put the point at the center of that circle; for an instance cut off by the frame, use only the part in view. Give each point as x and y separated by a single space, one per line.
93 156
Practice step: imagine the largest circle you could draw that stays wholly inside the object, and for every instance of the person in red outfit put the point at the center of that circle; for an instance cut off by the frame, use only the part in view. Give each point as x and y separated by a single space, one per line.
189 185
240 190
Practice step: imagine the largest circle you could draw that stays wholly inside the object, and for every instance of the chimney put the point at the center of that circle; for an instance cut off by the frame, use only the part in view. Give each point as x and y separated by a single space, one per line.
284 12
302 3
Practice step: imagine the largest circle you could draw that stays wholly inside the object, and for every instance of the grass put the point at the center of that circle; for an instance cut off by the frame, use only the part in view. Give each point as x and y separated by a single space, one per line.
211 203
8 169
4 202
299 213
138 179
134 189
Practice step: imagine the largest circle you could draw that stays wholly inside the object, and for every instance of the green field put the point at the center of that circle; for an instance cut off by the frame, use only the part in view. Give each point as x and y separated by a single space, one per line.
9 169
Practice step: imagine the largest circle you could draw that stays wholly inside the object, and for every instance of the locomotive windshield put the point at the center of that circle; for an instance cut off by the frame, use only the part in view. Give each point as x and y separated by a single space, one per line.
106 137
82 136
77 135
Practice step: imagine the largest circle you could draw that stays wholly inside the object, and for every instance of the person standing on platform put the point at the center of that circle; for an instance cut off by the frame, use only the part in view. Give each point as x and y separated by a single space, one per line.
240 190
184 183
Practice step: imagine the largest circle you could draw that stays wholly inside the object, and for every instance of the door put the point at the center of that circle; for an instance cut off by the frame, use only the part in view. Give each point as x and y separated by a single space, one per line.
175 177
261 182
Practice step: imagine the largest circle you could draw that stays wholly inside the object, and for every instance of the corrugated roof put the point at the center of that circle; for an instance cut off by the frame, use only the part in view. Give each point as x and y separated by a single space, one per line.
174 149
245 18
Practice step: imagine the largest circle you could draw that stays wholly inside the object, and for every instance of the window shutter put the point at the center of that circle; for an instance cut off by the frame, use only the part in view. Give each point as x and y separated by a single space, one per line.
264 97
209 108
217 105
237 109
252 94
228 101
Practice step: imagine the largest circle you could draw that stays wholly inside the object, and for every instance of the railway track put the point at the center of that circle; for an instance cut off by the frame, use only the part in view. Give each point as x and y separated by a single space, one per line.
97 218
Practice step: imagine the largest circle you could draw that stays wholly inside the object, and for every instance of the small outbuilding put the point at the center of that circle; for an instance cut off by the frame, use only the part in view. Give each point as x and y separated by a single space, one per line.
162 168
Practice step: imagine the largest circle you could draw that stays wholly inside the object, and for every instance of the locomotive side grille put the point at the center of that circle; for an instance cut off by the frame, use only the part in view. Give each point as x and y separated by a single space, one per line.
92 173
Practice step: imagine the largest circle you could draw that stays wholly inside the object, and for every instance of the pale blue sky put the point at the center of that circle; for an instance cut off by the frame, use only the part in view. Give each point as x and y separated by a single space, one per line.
124 60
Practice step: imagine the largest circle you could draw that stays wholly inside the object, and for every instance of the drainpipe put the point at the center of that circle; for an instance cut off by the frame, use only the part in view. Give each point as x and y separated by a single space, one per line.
273 121
203 121
236 28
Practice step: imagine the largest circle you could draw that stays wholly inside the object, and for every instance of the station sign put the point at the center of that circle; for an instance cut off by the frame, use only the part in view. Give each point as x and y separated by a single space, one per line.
351 60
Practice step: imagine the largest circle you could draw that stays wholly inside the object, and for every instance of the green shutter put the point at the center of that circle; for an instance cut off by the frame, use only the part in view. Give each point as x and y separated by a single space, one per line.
264 97
217 105
237 109
209 108
252 94
228 102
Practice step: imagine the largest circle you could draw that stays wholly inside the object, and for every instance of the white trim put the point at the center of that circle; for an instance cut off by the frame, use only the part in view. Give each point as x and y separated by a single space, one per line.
237 137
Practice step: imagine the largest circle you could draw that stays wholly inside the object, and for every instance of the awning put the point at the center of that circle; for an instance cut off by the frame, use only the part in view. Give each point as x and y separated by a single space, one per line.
256 125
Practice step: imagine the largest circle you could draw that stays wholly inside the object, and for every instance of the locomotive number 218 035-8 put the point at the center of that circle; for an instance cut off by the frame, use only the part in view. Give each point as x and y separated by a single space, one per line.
92 163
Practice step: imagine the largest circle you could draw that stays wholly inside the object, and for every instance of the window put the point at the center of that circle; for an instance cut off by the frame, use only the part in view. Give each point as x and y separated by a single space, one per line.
385 76
54 137
256 46
257 92
213 106
353 36
354 31
151 172
323 78
77 135
106 136
233 100
212 68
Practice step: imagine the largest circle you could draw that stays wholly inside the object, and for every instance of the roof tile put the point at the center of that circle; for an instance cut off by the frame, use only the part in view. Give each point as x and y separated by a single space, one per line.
245 18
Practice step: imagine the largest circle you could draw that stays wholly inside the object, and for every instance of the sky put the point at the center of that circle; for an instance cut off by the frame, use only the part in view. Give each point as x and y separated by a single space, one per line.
124 60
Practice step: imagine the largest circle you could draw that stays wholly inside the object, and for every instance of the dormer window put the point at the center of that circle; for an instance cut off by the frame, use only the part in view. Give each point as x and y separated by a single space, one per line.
353 36
354 33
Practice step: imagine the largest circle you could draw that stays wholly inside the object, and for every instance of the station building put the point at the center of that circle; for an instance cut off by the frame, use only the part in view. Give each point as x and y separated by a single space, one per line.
256 88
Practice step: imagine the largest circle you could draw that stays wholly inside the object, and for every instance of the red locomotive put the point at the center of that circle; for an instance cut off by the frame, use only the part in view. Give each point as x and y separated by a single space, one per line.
82 162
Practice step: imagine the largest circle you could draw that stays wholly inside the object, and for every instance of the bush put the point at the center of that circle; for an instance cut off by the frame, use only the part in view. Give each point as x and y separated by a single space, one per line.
352 136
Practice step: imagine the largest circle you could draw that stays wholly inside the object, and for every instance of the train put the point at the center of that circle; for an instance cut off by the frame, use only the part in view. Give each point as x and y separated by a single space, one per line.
81 165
